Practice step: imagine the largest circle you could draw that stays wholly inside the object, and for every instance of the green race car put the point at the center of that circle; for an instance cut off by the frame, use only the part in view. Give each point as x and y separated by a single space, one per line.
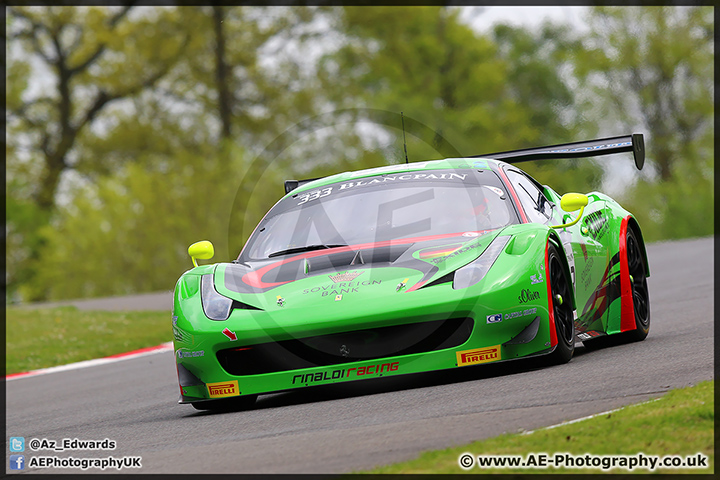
411 268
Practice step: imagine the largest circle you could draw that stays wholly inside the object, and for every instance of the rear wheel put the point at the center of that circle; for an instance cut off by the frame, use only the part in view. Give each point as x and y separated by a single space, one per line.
562 308
227 404
640 298
640 295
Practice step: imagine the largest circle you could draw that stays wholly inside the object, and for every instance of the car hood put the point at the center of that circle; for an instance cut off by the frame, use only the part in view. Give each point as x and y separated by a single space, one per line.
367 268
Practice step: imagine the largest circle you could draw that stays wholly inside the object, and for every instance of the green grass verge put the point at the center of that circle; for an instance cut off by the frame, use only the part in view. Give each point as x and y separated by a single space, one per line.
679 423
39 338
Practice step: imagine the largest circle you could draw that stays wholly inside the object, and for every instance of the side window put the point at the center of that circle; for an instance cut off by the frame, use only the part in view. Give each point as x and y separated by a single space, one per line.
536 205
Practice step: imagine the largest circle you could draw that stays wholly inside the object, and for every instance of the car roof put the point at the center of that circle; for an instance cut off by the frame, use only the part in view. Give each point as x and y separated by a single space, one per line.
443 164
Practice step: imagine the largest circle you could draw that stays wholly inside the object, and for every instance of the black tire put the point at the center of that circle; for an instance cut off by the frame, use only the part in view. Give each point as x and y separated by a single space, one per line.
227 404
640 294
562 311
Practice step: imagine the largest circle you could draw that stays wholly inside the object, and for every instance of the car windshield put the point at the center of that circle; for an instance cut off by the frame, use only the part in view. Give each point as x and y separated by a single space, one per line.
381 208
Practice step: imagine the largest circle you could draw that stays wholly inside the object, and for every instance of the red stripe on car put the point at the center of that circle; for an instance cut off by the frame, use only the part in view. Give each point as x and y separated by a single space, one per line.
510 188
627 311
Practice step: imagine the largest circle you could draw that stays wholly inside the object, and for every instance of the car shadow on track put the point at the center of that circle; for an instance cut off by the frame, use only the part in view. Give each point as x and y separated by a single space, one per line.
320 393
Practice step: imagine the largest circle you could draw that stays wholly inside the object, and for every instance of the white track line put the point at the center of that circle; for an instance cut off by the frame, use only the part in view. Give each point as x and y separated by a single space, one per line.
92 363
589 417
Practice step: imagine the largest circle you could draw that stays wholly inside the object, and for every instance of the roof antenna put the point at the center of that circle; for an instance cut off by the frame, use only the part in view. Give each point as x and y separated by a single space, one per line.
404 142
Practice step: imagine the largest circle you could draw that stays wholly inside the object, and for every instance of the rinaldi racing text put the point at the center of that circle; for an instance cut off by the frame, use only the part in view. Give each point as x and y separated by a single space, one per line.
341 373
585 461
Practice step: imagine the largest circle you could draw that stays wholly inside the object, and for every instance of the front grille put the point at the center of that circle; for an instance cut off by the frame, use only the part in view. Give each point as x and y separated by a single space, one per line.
346 347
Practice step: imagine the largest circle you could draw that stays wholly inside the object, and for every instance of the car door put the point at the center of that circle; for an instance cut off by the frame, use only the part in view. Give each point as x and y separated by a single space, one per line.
585 250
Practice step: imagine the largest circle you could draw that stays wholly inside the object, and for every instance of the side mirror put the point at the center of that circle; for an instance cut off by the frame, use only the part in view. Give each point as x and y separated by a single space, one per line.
203 250
571 202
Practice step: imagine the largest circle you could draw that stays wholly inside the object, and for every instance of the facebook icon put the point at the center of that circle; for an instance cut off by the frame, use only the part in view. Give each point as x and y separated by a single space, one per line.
17 462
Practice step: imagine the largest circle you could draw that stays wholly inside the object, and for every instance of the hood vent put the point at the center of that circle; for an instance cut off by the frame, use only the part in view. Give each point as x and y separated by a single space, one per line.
358 260
448 278
334 261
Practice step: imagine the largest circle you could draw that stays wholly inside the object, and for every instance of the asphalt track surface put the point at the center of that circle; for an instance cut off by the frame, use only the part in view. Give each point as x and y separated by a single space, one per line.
343 428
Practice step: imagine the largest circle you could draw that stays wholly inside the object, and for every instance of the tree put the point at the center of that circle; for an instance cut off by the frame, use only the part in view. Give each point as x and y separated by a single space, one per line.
169 131
237 72
95 57
650 69
135 85
93 66
539 63
425 62
479 94
653 69
130 234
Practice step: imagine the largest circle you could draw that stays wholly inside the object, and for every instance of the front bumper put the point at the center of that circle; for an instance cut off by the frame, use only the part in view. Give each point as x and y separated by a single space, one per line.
301 338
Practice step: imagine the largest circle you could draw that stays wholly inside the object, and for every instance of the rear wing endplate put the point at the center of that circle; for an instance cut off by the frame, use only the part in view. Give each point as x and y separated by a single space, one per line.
291 185
604 146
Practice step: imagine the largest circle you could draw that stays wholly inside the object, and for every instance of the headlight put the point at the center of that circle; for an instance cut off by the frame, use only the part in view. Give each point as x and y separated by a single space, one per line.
215 306
472 273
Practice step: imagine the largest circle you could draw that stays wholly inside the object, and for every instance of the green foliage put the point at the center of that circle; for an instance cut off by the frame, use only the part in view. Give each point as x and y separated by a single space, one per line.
650 69
131 233
535 64
678 209
94 57
477 94
425 62
535 60
23 219
134 89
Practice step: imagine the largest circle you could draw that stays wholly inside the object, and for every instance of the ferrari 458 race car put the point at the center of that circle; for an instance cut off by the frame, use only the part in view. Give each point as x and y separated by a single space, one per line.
411 268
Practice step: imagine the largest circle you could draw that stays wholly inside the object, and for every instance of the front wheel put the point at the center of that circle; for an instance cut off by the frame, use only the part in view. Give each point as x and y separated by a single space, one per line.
561 302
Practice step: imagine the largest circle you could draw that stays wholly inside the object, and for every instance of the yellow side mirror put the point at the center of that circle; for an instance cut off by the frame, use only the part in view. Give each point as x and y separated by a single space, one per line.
571 202
203 250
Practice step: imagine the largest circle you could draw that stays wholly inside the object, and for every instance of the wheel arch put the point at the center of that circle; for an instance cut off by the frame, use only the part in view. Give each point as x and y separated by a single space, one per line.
554 239
635 226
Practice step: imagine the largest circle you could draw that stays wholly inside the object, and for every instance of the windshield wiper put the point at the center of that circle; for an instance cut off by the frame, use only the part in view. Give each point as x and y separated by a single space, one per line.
306 248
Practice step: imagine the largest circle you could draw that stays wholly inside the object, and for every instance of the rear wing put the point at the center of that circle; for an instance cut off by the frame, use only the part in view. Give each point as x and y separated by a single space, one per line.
291 185
603 146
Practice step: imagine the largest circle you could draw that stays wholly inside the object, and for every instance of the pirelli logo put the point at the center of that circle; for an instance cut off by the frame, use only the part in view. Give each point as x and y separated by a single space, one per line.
478 355
223 389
